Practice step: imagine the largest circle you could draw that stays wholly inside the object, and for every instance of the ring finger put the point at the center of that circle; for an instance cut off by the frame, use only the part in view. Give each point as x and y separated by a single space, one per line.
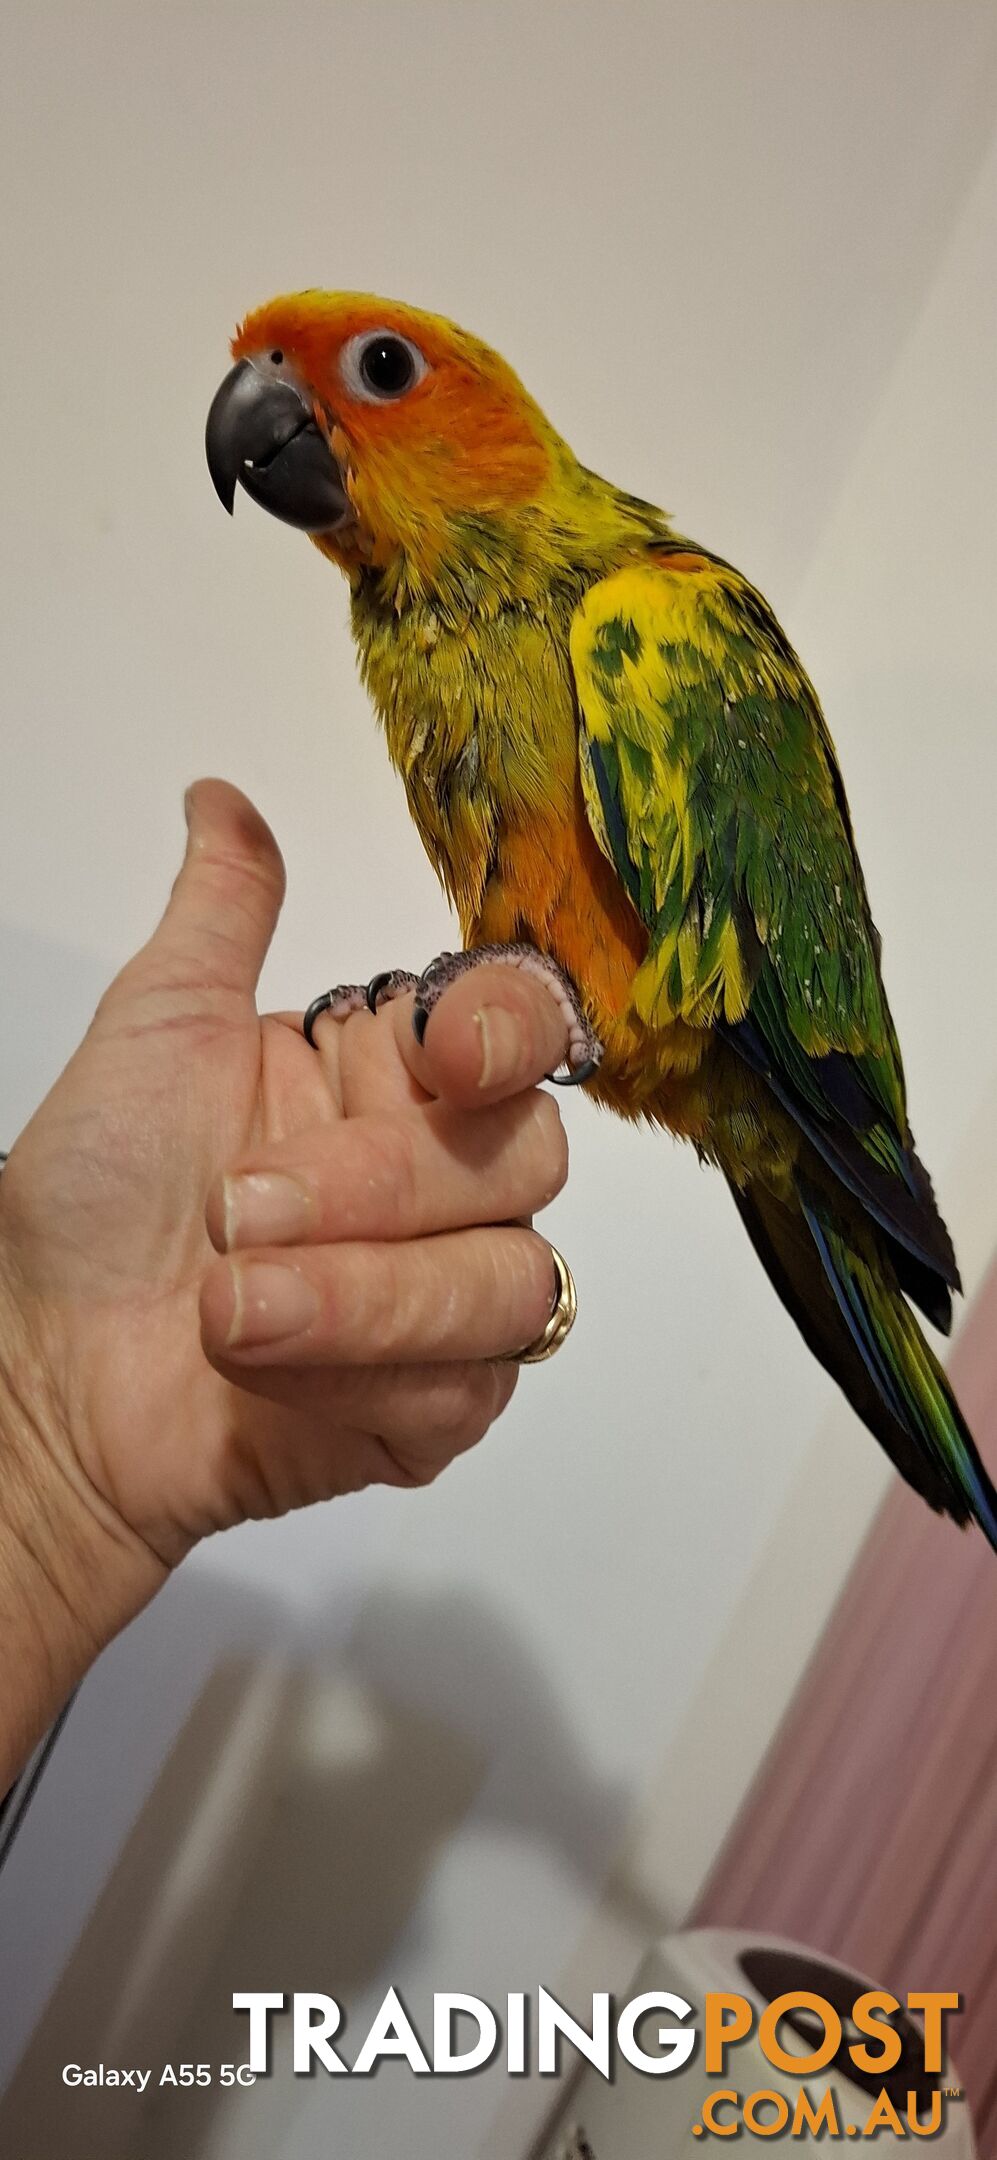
468 1295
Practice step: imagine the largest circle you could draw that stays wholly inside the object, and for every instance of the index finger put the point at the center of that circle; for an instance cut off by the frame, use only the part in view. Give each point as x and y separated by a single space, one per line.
496 1031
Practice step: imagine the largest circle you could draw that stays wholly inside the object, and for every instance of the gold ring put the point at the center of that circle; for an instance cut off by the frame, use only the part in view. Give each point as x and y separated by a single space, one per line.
562 1318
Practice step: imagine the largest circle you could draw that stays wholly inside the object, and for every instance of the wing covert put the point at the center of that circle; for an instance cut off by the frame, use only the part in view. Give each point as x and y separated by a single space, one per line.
710 783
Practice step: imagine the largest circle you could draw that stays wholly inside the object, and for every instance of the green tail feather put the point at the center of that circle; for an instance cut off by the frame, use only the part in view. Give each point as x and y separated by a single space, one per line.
904 1371
851 1313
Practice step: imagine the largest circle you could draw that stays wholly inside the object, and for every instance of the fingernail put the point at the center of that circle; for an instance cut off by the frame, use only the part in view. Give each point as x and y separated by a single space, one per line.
501 1046
264 1207
269 1304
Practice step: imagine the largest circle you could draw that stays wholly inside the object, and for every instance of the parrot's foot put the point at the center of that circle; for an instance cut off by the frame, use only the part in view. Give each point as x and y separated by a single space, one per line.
584 1052
349 998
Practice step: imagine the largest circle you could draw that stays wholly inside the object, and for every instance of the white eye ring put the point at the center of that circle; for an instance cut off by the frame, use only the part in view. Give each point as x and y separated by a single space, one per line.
355 366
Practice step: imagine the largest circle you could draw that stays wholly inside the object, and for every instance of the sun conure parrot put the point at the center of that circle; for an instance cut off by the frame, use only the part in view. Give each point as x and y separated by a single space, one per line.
623 777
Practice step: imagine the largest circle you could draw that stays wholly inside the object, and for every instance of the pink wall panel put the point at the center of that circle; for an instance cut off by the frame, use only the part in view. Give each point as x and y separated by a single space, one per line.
871 1832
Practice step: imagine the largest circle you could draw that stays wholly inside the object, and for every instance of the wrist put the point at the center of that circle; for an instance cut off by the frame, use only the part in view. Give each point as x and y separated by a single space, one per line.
71 1575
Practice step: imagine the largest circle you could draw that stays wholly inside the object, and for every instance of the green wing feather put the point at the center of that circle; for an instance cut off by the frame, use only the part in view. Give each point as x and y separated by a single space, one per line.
711 784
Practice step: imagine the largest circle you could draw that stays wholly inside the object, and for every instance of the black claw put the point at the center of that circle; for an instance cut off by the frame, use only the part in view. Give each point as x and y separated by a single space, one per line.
420 1022
375 986
317 1007
578 1077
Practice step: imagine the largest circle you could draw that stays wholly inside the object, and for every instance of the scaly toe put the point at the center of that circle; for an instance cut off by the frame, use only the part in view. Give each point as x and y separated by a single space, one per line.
584 1052
392 983
339 1003
349 998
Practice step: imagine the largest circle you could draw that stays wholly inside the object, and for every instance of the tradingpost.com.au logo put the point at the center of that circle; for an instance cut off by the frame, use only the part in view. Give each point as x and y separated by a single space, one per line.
864 2046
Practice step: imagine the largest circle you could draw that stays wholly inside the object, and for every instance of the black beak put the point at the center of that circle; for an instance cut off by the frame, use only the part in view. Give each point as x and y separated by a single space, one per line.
261 433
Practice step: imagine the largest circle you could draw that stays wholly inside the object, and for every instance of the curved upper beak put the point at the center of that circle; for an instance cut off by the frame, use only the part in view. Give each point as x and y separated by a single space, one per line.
261 432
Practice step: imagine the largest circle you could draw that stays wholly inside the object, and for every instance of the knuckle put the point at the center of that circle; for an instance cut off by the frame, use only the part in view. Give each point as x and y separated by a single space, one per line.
469 1412
539 1282
554 1145
383 1173
426 1473
518 1285
457 1414
506 1382
447 1413
361 1291
402 1169
419 1469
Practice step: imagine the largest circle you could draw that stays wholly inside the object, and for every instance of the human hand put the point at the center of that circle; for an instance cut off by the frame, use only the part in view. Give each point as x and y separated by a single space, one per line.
150 1392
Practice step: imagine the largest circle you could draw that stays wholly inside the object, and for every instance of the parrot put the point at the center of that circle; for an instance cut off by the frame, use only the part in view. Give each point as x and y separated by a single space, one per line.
625 782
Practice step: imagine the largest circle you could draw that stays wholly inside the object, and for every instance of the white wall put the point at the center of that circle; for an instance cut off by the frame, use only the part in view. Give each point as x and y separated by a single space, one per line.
744 255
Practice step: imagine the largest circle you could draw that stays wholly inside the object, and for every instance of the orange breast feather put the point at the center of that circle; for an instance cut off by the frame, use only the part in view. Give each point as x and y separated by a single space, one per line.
553 887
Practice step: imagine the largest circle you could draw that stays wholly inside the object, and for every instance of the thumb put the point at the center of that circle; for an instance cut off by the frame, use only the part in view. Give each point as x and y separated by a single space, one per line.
223 909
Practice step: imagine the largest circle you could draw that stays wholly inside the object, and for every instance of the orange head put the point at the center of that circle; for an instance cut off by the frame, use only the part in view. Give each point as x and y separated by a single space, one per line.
383 431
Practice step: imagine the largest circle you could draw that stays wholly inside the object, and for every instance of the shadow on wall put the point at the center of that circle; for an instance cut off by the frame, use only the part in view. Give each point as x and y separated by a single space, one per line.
287 1844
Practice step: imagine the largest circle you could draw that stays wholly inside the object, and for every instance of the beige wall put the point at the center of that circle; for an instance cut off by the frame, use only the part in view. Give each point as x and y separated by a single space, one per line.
744 255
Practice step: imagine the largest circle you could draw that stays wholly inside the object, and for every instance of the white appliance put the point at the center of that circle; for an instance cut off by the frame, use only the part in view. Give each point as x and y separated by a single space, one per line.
638 2116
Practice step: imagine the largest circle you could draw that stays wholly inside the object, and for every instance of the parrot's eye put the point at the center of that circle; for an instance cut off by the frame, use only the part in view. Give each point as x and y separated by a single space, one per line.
277 356
380 366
